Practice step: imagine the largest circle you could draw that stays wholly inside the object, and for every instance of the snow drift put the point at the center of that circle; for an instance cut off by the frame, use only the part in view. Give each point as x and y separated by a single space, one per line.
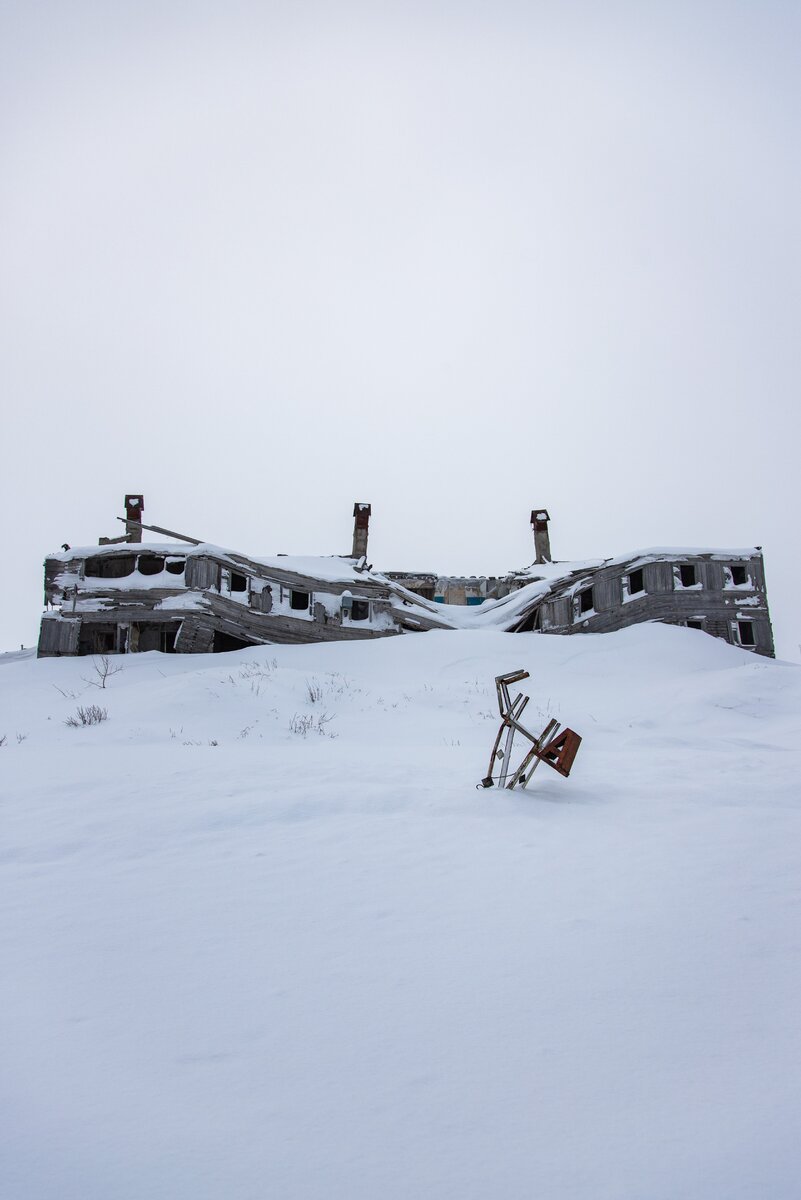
263 937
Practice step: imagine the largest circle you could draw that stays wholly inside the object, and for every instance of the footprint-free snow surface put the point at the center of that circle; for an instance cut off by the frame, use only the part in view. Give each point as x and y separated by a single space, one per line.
261 937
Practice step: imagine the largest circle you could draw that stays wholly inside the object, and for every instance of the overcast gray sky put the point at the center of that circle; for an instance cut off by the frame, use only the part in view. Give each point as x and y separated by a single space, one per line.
259 261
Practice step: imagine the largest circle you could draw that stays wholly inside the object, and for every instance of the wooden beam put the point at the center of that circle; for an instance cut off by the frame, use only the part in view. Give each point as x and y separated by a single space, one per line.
181 537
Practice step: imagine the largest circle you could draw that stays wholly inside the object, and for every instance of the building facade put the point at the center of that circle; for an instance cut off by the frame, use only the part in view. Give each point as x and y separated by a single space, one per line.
124 597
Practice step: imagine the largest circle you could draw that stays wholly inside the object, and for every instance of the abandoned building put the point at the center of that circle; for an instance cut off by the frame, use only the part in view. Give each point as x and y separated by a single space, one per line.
125 596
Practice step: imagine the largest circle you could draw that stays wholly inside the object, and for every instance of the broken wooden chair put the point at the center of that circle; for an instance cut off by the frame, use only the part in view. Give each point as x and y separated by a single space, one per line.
557 748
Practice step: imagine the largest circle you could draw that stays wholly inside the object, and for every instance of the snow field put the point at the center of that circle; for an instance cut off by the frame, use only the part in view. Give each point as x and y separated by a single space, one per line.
247 959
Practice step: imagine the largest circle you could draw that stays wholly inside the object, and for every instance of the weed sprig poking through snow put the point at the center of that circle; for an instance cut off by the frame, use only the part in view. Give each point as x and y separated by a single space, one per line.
90 714
303 724
255 673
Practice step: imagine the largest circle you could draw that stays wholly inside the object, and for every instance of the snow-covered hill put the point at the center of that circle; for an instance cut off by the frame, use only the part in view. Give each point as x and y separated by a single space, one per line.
262 937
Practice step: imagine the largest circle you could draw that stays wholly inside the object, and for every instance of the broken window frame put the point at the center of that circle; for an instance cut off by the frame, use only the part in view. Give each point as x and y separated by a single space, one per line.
300 605
740 625
584 607
639 572
109 566
359 609
233 582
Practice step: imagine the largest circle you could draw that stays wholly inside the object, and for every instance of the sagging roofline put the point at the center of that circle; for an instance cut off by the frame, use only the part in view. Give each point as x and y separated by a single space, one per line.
222 595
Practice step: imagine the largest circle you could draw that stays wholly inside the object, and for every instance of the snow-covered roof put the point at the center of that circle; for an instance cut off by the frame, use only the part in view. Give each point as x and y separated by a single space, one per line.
328 568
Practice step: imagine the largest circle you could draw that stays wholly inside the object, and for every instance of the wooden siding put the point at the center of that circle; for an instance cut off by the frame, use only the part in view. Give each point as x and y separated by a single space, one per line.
716 605
607 592
658 577
202 572
194 637
58 636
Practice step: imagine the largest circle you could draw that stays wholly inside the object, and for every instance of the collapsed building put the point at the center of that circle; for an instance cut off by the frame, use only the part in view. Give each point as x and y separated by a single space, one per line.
188 596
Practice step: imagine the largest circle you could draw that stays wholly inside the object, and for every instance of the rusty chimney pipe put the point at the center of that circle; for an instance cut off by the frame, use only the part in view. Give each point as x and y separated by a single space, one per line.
361 522
542 541
134 507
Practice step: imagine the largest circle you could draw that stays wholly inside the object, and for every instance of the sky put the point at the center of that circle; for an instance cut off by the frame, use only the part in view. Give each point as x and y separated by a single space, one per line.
260 261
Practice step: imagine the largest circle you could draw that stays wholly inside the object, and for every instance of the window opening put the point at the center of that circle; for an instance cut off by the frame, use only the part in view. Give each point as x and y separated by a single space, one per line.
150 564
636 582
695 624
739 575
176 566
299 600
360 610
110 566
239 583
746 632
586 600
687 574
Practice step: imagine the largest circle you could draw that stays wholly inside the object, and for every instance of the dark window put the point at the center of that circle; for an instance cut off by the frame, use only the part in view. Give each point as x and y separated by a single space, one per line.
150 564
695 624
739 575
687 574
110 566
176 566
239 583
746 630
636 582
167 641
299 600
586 600
360 610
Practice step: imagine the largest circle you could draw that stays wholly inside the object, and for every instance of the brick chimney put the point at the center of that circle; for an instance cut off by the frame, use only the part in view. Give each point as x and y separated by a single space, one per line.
134 507
542 541
361 522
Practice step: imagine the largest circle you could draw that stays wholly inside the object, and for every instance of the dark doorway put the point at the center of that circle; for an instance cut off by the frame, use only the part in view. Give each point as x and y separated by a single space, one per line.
531 623
223 642
97 639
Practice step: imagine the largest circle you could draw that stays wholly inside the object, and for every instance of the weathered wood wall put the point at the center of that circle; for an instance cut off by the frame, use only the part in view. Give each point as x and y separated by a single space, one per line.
712 600
204 601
